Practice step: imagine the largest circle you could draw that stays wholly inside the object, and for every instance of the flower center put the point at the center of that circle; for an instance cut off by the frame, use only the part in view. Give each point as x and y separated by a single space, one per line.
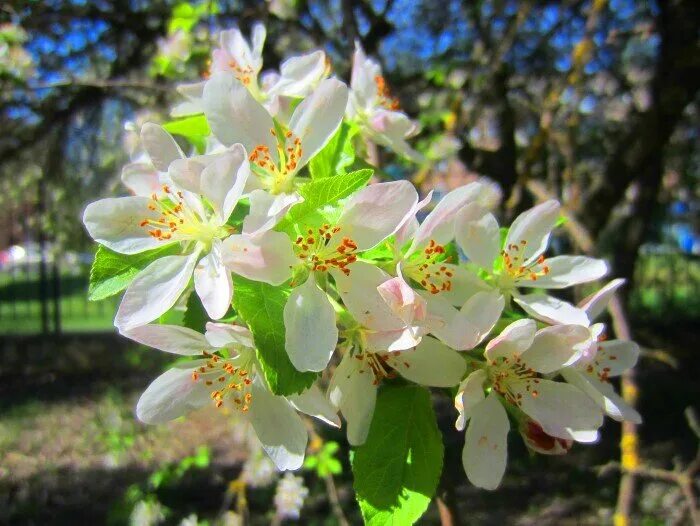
177 220
289 152
515 267
381 365
243 73
322 249
428 268
386 99
229 378
504 371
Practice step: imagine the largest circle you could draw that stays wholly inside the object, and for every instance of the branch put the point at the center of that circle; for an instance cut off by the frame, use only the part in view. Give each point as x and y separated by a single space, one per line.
101 84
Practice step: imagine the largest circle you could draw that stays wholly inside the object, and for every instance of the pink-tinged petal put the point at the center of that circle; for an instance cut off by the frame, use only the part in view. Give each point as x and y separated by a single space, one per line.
617 356
266 210
313 403
221 335
376 212
567 271
512 341
395 340
439 224
115 222
563 411
169 338
224 179
603 394
277 425
299 75
478 235
267 257
485 451
310 328
141 179
235 116
155 290
318 116
363 80
410 226
596 303
353 391
431 363
173 394
469 393
213 284
403 301
551 310
391 129
534 227
160 146
360 296
554 348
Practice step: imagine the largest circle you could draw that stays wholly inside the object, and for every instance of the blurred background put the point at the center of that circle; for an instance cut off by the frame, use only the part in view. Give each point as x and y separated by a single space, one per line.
594 103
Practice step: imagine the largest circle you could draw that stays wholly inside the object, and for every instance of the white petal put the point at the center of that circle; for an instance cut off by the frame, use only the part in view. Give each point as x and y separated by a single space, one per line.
478 235
115 222
299 75
555 347
193 93
313 403
213 283
310 330
278 427
512 341
534 227
235 116
353 391
410 225
465 283
318 116
377 211
617 356
566 271
604 395
224 334
266 210
160 146
439 224
563 411
224 179
266 257
363 80
485 451
469 393
258 41
155 290
551 310
391 129
596 303
482 311
169 338
431 363
141 178
174 393
396 340
187 173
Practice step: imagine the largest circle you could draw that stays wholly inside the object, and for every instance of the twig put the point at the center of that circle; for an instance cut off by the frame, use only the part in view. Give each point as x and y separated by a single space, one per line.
102 84
335 501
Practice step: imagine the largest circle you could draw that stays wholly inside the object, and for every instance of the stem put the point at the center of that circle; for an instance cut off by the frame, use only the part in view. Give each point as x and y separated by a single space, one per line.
335 501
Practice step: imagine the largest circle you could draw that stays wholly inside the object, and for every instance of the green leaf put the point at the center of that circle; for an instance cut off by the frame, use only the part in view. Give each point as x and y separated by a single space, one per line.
112 272
195 317
335 156
321 193
397 470
261 306
194 128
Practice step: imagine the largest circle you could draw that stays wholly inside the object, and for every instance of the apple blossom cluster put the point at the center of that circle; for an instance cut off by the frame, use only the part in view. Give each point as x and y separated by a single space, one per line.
360 285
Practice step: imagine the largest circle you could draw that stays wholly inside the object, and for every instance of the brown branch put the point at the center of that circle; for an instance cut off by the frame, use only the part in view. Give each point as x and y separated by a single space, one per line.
101 84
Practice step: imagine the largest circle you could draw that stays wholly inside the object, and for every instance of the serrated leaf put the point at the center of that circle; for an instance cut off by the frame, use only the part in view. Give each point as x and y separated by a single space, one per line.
336 155
112 272
194 128
321 193
261 306
397 470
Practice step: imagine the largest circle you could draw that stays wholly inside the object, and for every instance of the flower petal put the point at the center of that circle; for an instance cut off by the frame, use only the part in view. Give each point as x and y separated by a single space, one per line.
563 411
266 210
313 403
596 303
318 116
567 271
377 211
363 79
478 235
267 257
431 363
213 283
224 179
279 428
617 356
485 451
299 75
160 146
311 333
115 222
141 178
221 335
512 341
555 347
551 310
155 290
603 394
174 393
193 93
354 392
533 226
402 300
169 338
469 393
